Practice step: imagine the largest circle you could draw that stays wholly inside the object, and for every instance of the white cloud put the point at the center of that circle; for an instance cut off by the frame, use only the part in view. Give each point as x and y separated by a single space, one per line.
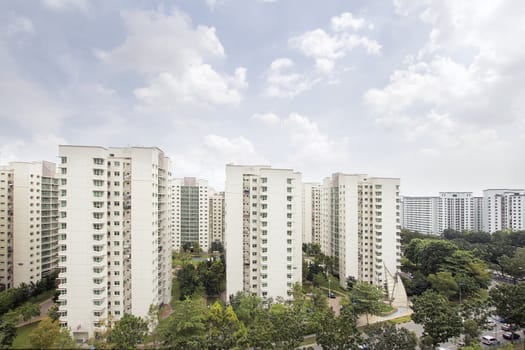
208 159
326 48
157 42
172 56
38 147
284 84
19 24
347 21
61 5
199 85
267 118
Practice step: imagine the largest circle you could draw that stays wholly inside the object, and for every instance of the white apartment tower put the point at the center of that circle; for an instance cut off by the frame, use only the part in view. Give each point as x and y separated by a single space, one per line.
216 218
28 222
190 213
503 209
361 227
263 230
115 249
311 213
420 214
456 211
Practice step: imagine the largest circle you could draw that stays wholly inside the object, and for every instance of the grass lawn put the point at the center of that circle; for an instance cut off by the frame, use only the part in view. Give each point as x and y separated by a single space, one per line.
22 336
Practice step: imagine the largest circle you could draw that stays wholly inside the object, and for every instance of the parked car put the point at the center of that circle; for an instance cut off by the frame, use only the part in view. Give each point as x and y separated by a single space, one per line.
511 335
331 295
508 327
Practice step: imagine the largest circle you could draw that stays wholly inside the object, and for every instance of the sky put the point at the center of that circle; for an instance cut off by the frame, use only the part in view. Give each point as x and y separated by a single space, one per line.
431 91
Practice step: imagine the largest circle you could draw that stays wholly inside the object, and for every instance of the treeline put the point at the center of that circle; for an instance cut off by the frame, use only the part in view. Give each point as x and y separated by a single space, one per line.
208 276
14 297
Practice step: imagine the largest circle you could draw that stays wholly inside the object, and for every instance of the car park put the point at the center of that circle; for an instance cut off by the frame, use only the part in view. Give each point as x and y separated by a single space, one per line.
511 336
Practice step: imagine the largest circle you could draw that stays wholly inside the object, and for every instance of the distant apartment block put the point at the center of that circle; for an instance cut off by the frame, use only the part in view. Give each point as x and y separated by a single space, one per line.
420 214
503 209
216 218
190 213
28 222
361 226
311 213
263 230
115 246
460 211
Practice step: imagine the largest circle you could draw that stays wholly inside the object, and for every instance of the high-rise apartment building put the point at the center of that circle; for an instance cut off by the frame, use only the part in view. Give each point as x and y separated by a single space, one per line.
311 213
263 230
216 218
460 211
115 246
503 209
420 214
361 227
28 222
457 211
190 213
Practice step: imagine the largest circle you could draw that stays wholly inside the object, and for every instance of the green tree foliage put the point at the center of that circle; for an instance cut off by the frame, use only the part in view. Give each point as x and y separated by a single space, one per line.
514 266
288 326
49 335
186 326
509 301
429 254
14 297
53 312
225 331
444 283
367 299
338 333
209 276
385 336
127 332
7 334
440 319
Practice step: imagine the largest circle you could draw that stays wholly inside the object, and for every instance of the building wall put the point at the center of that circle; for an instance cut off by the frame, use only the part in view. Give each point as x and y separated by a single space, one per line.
420 214
503 209
263 228
216 217
361 226
28 222
115 254
190 213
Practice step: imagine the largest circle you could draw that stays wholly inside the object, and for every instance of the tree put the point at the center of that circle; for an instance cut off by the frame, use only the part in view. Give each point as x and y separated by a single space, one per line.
514 266
7 334
444 283
367 299
128 332
338 333
429 254
225 331
440 319
53 312
288 326
186 326
509 301
44 336
214 277
350 282
189 281
385 336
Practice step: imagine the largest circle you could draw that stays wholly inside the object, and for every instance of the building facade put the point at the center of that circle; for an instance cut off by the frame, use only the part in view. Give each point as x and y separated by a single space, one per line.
263 230
460 211
28 222
311 213
115 243
503 209
216 219
190 213
361 227
420 214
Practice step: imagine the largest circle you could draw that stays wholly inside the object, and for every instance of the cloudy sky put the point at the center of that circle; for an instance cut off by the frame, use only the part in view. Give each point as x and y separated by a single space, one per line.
432 91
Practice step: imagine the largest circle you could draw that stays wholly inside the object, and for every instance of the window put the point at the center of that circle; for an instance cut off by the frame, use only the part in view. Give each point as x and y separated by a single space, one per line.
98 172
63 160
98 161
